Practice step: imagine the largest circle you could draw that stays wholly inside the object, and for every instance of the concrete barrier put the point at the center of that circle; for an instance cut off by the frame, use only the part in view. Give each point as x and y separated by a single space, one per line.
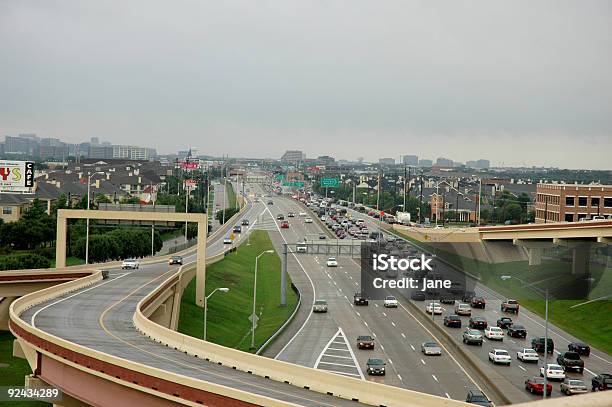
316 380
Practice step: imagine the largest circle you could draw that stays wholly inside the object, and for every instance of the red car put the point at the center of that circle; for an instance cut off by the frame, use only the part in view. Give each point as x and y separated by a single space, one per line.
478 302
535 385
284 224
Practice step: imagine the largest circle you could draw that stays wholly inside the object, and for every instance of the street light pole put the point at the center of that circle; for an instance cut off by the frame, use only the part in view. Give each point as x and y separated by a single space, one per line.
223 290
253 315
545 343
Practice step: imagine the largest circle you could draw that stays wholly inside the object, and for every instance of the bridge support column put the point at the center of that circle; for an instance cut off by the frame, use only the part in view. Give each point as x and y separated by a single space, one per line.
60 242
535 249
580 254
201 264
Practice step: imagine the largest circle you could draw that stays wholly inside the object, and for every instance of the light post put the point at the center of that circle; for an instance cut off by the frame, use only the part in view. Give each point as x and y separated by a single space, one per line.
543 293
88 199
253 315
223 290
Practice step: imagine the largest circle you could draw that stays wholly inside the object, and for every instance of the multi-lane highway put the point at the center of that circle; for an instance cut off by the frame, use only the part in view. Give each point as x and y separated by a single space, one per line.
328 340
100 317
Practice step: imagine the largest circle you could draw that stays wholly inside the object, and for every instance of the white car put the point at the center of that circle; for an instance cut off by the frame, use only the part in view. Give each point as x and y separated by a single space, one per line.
494 332
390 302
227 240
463 309
332 262
500 356
527 355
302 214
308 220
434 307
319 306
553 372
130 264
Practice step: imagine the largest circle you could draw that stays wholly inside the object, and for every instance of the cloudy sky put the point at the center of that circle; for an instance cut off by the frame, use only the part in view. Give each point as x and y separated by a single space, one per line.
519 83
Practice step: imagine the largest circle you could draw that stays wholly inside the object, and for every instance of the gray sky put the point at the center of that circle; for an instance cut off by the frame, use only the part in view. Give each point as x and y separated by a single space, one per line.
520 82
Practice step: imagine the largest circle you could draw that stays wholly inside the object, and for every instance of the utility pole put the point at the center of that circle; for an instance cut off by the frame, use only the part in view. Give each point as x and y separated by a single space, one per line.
378 194
186 210
437 201
421 200
479 198
457 206
405 179
545 208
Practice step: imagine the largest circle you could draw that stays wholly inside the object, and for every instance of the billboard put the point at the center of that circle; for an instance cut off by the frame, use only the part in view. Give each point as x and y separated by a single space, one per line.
16 176
190 164
190 184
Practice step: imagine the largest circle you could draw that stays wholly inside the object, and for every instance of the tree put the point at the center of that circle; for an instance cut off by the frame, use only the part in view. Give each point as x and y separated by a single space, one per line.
229 212
101 198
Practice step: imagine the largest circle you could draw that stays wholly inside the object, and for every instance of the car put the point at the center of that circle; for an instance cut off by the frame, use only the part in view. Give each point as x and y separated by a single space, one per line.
553 371
504 322
319 306
571 361
447 299
452 321
227 240
510 306
500 356
537 343
291 215
175 260
527 355
245 222
472 336
390 302
517 331
571 386
280 216
467 296
535 385
270 203
602 381
434 307
375 366
494 333
308 220
360 299
431 348
301 248
130 264
237 229
478 398
284 224
332 262
580 347
478 323
365 342
463 309
417 296
322 236
478 302
302 214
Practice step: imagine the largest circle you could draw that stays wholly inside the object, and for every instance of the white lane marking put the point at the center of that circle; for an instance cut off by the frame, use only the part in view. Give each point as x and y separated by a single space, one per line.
335 364
365 323
399 377
355 365
33 319
382 347
447 396
522 368
593 374
412 346
434 377
341 350
403 335
384 314
376 305
358 314
340 373
390 361
422 361
392 323
327 355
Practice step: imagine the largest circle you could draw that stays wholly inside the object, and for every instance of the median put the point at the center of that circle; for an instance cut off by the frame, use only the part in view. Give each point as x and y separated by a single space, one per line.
228 322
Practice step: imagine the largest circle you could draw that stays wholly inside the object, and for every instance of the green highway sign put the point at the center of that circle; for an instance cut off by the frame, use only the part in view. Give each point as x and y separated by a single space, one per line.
279 177
330 182
298 184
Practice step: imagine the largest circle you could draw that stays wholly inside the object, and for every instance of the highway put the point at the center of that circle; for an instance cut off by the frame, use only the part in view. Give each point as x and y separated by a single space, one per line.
328 340
517 372
100 317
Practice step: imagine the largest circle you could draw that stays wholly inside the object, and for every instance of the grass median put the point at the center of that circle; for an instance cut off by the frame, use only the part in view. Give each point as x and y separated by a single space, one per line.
588 321
228 313
231 196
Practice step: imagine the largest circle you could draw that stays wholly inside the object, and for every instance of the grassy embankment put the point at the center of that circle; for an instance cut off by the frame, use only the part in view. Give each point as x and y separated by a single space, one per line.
228 314
588 322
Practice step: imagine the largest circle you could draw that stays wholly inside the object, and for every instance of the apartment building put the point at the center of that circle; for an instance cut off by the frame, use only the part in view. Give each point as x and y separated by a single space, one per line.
571 202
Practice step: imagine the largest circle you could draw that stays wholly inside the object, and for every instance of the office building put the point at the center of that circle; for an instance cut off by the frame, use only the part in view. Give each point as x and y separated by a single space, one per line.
133 152
572 202
293 156
410 160
423 162
479 164
386 161
444 162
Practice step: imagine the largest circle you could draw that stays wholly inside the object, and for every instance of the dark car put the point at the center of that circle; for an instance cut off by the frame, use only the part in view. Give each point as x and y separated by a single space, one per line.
571 361
581 348
517 331
535 385
447 299
280 216
601 382
175 260
417 296
375 366
452 321
479 398
270 203
478 302
360 299
467 296
365 342
322 236
504 322
478 323
237 229
245 222
537 344
291 215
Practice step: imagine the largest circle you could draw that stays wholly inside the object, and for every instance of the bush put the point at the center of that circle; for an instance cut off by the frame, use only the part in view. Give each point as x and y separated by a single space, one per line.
47 252
229 212
24 261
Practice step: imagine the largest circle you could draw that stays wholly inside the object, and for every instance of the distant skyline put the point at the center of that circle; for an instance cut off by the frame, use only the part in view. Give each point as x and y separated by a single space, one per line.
523 83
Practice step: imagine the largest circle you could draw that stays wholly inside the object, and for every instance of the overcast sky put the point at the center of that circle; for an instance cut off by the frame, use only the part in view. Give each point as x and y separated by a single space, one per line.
516 82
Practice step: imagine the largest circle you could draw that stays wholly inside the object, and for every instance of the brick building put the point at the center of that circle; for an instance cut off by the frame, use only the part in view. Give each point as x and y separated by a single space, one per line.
570 202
